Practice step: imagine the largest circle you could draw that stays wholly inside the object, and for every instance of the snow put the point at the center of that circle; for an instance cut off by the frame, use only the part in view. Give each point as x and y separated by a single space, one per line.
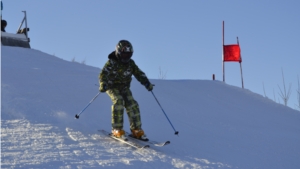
220 126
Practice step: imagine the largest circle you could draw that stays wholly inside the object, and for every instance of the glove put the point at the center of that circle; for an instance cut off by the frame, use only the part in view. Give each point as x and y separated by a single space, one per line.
103 87
149 86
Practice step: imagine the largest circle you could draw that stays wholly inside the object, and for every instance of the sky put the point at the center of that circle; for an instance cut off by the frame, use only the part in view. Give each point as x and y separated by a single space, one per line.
178 39
39 130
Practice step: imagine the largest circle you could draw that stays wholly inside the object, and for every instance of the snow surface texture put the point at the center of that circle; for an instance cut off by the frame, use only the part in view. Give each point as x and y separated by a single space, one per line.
220 126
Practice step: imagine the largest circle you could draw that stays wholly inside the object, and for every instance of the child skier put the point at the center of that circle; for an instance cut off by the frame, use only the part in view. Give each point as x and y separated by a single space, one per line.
115 79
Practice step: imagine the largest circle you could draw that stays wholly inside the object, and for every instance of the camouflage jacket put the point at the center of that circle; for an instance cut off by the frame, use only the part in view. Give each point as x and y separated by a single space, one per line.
116 74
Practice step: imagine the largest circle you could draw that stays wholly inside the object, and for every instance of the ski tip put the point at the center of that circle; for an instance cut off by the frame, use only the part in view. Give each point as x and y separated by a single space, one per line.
166 143
145 146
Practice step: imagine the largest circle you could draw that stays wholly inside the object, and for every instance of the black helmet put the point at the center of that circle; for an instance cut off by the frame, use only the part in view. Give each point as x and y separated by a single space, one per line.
124 51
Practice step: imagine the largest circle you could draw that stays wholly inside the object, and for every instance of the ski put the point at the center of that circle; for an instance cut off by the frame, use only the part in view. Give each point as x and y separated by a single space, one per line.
155 143
128 142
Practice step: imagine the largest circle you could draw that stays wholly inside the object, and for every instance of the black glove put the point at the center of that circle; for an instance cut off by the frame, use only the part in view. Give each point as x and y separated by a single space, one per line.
103 87
149 86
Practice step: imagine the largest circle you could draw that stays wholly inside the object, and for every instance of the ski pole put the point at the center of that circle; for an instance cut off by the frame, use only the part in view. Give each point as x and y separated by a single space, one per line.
176 132
77 115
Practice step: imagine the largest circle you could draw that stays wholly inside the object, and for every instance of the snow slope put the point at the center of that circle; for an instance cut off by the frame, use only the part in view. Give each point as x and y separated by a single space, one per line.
220 126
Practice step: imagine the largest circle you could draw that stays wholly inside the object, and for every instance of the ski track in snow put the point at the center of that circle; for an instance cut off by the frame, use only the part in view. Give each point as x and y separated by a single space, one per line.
27 145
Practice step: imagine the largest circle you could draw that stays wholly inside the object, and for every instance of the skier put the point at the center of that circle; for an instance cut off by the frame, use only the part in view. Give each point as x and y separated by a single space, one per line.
3 25
115 79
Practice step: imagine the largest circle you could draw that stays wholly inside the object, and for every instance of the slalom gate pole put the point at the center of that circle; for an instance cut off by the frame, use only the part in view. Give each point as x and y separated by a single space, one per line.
77 115
176 132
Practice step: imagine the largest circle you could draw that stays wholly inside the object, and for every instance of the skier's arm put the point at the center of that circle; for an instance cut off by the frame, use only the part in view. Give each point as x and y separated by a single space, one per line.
103 76
139 74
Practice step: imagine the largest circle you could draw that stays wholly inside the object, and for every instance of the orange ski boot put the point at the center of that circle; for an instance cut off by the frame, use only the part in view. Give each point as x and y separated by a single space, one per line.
119 133
139 134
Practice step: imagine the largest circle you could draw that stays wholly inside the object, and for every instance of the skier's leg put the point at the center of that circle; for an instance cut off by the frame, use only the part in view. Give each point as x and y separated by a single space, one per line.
117 111
133 112
132 109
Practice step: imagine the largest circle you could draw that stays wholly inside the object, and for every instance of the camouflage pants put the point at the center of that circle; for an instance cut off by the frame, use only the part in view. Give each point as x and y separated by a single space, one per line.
120 99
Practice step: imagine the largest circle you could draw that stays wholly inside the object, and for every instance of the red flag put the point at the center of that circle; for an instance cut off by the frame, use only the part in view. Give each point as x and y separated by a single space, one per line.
232 53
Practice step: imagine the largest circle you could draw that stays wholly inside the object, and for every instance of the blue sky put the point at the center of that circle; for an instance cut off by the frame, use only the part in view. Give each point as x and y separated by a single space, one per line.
183 38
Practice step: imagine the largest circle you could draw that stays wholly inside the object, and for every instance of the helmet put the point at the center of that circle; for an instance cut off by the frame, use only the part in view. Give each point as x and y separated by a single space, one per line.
124 51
